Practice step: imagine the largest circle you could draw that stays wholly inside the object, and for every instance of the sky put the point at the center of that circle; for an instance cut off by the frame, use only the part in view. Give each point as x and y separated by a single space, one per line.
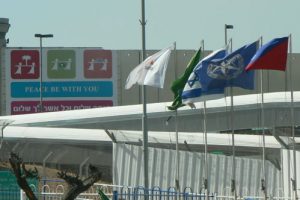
114 24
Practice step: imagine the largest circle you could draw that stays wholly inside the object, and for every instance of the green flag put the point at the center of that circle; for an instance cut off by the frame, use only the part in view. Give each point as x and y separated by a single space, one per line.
178 85
102 195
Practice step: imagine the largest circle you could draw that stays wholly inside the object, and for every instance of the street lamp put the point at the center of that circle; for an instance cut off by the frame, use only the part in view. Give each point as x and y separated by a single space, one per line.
227 26
233 185
41 36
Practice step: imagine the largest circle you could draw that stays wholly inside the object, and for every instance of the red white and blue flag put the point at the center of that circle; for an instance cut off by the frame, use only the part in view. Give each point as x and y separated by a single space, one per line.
271 56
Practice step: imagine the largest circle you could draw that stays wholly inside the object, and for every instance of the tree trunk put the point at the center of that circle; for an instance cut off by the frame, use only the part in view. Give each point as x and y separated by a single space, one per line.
21 174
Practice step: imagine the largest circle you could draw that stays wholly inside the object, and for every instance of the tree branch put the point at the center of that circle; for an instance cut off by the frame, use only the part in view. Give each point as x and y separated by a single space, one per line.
22 173
76 185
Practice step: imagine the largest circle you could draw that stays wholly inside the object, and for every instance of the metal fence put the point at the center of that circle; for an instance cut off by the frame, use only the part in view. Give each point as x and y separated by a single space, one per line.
156 193
49 191
54 190
9 193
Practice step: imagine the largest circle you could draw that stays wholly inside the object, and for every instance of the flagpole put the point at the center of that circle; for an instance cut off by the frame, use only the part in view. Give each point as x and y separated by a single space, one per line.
263 180
144 121
233 184
233 187
177 153
176 133
294 180
205 181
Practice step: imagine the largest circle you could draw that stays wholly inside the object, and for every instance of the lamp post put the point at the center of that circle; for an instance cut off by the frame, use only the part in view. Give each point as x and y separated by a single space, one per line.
233 185
227 26
41 36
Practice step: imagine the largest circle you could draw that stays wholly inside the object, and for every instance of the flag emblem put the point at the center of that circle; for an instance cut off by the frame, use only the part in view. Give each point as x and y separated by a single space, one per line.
192 81
149 64
228 69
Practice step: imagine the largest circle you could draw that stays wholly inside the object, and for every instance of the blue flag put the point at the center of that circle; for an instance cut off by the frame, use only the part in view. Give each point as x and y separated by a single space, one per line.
192 91
228 71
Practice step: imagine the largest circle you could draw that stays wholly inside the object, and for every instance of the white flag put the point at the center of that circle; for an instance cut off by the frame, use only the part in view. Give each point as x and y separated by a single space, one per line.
152 71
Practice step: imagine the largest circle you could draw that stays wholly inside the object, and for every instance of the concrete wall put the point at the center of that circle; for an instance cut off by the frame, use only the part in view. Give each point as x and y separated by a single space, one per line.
273 81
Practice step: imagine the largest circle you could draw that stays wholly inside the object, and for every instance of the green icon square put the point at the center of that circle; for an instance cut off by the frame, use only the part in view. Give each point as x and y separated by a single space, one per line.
61 64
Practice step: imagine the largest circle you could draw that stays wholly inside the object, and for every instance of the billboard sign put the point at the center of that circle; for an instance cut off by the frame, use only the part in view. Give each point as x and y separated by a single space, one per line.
68 78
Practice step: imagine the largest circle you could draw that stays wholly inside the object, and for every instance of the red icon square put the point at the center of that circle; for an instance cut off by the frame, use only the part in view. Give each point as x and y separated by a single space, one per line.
25 64
97 64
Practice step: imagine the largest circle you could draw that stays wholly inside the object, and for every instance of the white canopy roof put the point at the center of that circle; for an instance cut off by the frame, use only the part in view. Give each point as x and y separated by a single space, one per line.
35 126
119 113
86 136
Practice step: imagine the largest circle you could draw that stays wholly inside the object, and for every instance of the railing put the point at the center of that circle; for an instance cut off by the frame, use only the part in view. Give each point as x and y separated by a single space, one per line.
155 193
53 190
9 193
50 191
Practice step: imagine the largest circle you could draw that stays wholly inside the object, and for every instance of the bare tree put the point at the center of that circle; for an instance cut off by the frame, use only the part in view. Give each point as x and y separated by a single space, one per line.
22 174
77 185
